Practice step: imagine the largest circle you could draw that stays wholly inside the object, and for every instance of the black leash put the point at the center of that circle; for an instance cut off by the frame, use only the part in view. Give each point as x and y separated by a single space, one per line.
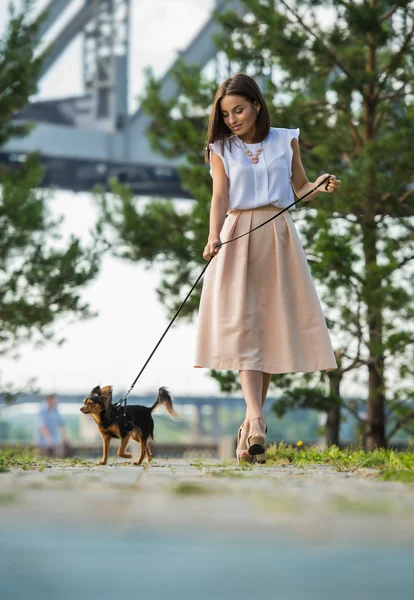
125 396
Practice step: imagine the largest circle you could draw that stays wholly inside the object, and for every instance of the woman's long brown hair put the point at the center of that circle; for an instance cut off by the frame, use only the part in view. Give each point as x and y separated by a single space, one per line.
237 85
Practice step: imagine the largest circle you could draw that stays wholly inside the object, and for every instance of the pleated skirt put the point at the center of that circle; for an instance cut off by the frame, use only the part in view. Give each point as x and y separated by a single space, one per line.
259 308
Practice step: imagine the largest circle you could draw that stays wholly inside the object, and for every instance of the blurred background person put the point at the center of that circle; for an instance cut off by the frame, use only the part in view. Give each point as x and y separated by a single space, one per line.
51 427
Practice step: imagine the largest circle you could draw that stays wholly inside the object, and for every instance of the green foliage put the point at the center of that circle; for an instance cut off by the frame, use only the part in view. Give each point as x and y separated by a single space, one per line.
304 398
19 68
154 233
41 273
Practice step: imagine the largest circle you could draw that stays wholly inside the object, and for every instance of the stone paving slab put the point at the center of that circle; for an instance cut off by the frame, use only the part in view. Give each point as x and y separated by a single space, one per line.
314 503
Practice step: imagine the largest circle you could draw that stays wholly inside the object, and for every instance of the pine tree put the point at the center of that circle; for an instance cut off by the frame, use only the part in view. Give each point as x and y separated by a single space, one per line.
41 274
348 86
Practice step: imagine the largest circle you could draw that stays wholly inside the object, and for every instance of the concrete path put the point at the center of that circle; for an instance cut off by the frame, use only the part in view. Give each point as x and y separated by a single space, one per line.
317 502
197 530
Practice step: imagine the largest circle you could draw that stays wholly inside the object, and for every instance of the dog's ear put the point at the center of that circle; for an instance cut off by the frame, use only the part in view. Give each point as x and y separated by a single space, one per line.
106 391
96 390
106 396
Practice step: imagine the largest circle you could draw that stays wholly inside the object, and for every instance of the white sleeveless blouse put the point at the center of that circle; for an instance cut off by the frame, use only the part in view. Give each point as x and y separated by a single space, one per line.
268 181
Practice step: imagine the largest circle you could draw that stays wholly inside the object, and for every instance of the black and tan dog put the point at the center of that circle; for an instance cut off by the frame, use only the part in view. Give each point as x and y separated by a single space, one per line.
138 423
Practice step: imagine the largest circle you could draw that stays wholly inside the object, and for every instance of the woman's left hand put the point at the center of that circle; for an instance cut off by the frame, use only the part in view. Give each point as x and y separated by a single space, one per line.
333 183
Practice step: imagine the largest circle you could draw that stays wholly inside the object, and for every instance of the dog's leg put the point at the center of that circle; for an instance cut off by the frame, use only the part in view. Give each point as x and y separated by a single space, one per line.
106 442
148 454
123 445
142 451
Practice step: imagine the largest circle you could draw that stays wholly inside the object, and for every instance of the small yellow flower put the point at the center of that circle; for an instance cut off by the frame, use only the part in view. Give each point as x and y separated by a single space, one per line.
299 443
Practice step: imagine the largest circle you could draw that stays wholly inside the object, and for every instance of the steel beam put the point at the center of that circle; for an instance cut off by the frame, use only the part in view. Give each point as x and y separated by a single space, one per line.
54 10
71 30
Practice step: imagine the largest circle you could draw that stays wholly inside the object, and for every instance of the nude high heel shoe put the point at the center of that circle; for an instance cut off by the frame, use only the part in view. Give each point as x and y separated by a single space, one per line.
256 442
242 453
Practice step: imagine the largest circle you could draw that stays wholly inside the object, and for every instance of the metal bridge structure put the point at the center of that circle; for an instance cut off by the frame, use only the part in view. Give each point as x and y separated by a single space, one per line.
85 140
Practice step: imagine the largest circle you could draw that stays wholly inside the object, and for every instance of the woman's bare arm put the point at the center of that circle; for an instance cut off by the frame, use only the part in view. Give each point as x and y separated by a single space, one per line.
219 205
300 182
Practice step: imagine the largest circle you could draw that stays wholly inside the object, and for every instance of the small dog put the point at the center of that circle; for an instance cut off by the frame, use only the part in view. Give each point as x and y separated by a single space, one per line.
138 423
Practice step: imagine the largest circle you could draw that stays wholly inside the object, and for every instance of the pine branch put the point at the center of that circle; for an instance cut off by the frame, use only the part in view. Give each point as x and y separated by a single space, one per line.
357 137
331 52
406 195
400 423
354 412
404 262
377 121
393 63
395 95
389 13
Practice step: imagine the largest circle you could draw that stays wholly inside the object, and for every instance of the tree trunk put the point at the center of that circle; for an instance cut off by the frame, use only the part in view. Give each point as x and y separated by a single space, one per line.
375 425
332 426
333 414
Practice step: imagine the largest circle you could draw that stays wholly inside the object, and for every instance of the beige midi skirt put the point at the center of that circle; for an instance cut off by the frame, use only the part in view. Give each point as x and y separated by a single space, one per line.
259 308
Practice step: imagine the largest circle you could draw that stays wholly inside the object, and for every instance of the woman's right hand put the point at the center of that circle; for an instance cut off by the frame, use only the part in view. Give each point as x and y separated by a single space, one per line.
212 248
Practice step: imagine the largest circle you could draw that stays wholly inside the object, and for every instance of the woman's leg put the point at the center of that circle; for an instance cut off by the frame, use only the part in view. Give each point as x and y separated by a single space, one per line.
252 386
247 385
266 382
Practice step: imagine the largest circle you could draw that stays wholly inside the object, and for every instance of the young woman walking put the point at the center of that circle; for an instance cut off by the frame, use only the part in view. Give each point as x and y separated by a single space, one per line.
259 310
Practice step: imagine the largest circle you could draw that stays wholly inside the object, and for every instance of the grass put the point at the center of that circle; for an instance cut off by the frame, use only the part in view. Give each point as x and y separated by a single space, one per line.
23 458
391 465
404 475
20 458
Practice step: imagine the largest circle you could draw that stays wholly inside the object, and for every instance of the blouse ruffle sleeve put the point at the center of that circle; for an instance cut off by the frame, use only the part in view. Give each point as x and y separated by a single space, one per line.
216 147
291 133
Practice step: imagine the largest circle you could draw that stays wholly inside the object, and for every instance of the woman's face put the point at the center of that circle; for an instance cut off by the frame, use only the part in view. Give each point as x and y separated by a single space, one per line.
239 114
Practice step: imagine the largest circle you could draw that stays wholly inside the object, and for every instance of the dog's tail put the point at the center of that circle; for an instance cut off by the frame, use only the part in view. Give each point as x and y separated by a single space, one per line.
164 398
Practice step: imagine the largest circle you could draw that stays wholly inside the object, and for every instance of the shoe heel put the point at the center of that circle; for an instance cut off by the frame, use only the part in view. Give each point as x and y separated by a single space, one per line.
243 457
256 445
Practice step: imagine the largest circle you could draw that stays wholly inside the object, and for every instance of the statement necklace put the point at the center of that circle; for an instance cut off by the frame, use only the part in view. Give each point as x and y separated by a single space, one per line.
253 157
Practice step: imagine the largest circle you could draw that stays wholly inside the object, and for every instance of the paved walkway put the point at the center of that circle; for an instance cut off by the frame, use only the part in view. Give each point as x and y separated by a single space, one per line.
315 503
197 530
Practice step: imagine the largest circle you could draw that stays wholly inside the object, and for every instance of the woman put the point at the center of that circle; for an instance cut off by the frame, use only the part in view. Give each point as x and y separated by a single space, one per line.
259 310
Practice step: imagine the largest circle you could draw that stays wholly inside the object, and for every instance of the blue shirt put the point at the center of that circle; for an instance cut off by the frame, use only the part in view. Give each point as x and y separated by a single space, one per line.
267 181
50 419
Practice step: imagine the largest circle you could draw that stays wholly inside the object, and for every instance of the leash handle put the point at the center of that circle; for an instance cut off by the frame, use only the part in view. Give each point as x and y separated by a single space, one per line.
126 396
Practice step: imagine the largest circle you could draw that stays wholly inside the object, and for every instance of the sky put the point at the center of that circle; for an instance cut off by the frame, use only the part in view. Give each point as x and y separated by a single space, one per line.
124 295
